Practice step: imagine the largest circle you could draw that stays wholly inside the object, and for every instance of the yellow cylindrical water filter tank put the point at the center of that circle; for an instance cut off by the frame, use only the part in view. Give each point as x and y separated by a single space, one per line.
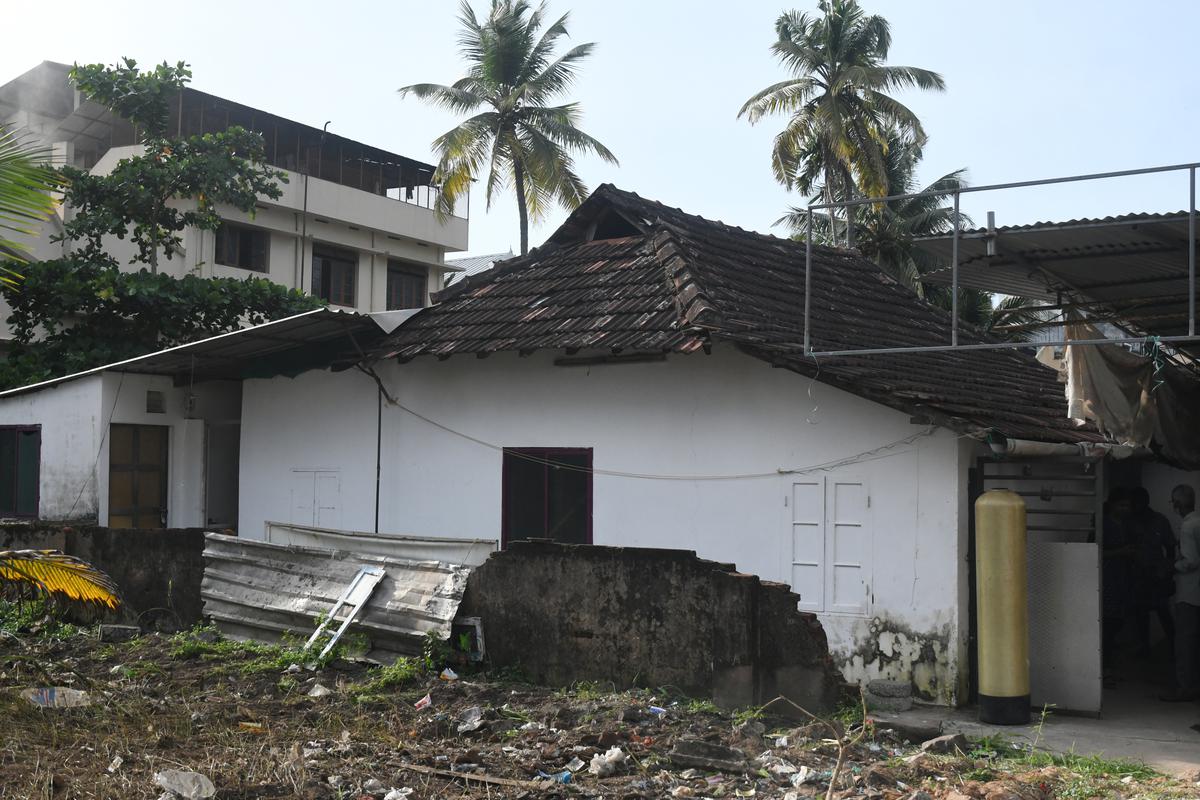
1002 609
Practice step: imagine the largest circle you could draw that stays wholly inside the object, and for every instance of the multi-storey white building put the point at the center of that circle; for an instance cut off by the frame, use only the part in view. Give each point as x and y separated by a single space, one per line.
354 224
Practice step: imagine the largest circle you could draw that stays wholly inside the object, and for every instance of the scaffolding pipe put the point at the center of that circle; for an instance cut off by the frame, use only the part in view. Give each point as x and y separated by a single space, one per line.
954 279
847 204
1192 251
1014 185
807 280
942 348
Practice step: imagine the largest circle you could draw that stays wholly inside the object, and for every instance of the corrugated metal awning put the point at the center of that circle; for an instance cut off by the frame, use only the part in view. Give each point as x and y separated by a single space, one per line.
1134 267
288 346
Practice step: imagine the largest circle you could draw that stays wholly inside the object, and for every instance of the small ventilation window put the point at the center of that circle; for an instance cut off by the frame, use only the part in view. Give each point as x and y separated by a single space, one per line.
155 402
612 225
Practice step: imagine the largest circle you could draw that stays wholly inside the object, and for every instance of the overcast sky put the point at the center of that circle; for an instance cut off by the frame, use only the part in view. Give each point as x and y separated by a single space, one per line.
1036 89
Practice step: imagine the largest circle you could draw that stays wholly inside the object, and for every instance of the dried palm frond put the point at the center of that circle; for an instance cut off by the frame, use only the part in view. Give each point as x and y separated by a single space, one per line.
57 576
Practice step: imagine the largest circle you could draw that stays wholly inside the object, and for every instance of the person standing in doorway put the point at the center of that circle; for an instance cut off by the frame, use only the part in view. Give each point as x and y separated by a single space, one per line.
1187 597
1153 571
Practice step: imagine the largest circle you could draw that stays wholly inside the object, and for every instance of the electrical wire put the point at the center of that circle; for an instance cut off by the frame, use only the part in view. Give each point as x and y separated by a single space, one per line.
883 451
100 449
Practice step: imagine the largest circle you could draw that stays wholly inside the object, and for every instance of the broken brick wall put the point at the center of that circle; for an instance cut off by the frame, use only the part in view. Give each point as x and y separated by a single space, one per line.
157 571
649 617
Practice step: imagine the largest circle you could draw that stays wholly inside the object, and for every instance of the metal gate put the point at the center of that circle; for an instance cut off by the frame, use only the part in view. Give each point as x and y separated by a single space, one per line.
1064 501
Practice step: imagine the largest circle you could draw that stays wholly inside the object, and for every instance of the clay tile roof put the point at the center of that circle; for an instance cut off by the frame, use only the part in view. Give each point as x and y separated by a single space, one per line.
674 282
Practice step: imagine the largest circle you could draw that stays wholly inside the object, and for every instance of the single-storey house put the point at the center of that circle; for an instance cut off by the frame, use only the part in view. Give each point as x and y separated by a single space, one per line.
638 380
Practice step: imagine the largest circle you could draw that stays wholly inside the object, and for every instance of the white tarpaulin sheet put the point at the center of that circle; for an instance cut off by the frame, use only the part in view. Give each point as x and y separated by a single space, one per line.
1136 400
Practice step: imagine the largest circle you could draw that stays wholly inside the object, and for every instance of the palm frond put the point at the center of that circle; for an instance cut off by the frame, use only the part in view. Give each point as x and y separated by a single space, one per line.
58 576
27 186
451 98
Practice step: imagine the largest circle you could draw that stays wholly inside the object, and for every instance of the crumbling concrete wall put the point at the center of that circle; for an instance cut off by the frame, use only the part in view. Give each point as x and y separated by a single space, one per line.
649 617
157 571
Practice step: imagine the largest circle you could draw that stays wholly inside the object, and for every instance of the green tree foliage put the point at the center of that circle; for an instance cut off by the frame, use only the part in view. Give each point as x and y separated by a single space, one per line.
82 310
141 197
837 99
71 315
513 73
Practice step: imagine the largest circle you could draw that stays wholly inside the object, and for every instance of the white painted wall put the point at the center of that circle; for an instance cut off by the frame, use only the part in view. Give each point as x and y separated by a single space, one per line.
69 415
74 417
721 414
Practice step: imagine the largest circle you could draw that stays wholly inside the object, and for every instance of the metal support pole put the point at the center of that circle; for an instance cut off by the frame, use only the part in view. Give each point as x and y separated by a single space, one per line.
849 224
807 280
1192 251
942 348
954 279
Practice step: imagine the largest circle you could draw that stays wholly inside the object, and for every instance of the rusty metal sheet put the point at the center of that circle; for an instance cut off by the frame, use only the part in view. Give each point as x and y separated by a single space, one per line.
259 590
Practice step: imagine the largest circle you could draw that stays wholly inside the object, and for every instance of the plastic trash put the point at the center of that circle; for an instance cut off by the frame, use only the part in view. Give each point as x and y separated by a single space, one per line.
185 784
657 711
448 675
576 764
424 702
557 777
802 776
470 720
608 763
398 794
56 697
318 690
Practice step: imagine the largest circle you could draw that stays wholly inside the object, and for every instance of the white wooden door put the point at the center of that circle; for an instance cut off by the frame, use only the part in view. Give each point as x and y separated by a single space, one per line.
316 497
831 544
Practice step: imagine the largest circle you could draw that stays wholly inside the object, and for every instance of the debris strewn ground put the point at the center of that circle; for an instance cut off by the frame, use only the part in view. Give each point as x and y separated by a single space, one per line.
259 724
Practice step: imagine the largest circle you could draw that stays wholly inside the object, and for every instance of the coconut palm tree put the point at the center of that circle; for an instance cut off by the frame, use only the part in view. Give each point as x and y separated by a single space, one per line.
837 99
27 184
53 575
886 232
513 75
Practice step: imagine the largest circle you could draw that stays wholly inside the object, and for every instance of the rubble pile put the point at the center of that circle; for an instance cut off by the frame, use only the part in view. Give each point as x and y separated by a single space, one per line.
165 721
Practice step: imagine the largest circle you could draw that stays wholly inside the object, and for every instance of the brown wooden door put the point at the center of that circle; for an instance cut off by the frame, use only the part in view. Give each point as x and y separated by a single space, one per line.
137 476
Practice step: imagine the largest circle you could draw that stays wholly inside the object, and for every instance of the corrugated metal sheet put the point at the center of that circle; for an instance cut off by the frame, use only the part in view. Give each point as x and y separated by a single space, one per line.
259 590
1134 266
467 552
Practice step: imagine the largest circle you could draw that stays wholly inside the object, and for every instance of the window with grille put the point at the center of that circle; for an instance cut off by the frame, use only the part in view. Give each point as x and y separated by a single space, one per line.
405 286
333 275
547 494
241 246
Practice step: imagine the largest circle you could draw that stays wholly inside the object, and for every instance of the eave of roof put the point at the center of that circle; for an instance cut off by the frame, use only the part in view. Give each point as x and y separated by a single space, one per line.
319 338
